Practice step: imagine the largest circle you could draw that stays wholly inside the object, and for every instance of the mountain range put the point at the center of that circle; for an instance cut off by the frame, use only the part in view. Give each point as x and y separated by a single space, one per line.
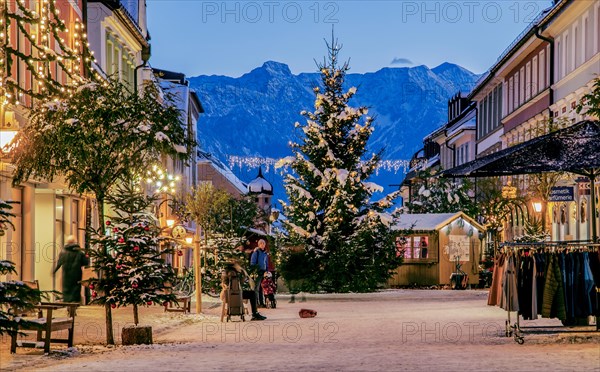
254 114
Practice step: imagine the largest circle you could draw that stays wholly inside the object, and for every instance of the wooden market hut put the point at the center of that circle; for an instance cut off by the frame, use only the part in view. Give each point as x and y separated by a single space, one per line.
432 244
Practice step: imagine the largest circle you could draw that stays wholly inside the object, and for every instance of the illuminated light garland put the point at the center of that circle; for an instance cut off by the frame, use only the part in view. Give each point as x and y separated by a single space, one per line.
157 180
41 30
255 162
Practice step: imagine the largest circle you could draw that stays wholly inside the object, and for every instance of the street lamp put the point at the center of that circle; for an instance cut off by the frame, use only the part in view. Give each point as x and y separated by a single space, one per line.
197 273
537 206
170 222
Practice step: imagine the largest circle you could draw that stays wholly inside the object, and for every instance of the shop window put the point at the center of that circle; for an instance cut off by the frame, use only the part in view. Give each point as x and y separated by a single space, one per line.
412 247
563 214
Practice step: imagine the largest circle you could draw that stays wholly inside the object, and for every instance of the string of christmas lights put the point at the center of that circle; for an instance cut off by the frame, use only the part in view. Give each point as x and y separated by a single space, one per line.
256 161
57 56
157 180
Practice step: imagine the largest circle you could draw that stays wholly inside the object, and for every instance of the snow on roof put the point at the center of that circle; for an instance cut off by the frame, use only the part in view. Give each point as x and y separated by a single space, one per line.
431 221
180 92
224 170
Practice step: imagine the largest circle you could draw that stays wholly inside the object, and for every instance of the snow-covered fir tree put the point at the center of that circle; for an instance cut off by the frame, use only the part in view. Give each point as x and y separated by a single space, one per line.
346 236
442 195
131 254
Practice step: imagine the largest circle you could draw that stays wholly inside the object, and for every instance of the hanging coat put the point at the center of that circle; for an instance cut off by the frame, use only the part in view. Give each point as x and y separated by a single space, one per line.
554 295
510 296
495 293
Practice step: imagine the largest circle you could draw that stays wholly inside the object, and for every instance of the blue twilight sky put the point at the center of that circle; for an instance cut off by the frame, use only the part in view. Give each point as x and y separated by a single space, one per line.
232 37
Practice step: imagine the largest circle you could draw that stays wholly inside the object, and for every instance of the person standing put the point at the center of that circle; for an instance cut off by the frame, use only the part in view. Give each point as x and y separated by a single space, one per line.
259 261
71 259
233 269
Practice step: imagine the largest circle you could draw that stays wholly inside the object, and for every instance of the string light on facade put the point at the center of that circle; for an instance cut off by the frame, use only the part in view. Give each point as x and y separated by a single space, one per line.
253 162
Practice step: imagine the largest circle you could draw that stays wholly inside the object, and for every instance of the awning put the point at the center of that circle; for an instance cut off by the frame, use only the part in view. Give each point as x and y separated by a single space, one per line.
575 149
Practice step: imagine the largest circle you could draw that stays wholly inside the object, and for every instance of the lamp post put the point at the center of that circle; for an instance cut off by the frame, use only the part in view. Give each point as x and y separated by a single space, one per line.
198 274
539 208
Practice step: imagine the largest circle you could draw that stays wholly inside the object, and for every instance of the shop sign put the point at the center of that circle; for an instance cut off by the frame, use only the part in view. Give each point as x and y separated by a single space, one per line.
561 194
584 188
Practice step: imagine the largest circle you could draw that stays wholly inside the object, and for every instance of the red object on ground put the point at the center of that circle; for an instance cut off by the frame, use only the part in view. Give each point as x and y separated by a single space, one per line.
307 313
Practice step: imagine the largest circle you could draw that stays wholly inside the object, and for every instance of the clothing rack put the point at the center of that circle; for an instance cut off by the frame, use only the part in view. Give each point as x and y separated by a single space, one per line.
509 248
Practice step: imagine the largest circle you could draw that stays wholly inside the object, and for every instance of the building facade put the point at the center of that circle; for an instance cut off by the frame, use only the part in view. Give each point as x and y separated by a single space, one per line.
45 213
575 33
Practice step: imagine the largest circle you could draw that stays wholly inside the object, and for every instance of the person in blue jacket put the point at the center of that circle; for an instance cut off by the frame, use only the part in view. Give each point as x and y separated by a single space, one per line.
259 261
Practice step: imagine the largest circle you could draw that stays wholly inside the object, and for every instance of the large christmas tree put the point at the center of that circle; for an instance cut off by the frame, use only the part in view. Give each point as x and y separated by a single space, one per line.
347 237
131 255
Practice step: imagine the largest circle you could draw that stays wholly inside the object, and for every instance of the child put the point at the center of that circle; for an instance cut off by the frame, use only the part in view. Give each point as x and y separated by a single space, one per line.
269 287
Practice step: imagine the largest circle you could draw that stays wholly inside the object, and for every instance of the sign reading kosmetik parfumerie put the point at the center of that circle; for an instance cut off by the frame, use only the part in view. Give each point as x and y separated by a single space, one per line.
561 193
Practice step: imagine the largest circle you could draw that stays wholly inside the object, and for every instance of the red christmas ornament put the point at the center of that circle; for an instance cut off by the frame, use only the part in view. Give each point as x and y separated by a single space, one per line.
91 286
121 240
94 294
107 223
113 306
87 255
134 285
146 228
149 303
136 248
118 266
116 229
179 253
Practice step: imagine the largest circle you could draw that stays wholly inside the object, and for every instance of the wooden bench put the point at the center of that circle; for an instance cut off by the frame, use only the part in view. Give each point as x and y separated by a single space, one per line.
183 304
45 323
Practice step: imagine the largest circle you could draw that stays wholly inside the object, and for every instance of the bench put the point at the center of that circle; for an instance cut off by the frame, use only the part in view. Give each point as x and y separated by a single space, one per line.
183 304
44 324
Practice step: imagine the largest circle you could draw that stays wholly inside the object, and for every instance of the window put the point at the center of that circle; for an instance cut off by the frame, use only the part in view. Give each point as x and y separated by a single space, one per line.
559 59
535 87
528 81
109 60
597 33
489 113
522 84
575 56
541 77
412 247
503 109
585 43
565 56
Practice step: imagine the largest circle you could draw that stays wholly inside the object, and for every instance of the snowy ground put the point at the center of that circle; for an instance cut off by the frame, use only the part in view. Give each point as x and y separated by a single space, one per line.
390 330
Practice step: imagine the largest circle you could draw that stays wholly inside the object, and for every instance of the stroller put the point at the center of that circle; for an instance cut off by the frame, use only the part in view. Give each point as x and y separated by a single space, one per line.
232 296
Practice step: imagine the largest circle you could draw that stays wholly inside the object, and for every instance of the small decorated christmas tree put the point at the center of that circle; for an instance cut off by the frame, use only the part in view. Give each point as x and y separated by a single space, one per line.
130 255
